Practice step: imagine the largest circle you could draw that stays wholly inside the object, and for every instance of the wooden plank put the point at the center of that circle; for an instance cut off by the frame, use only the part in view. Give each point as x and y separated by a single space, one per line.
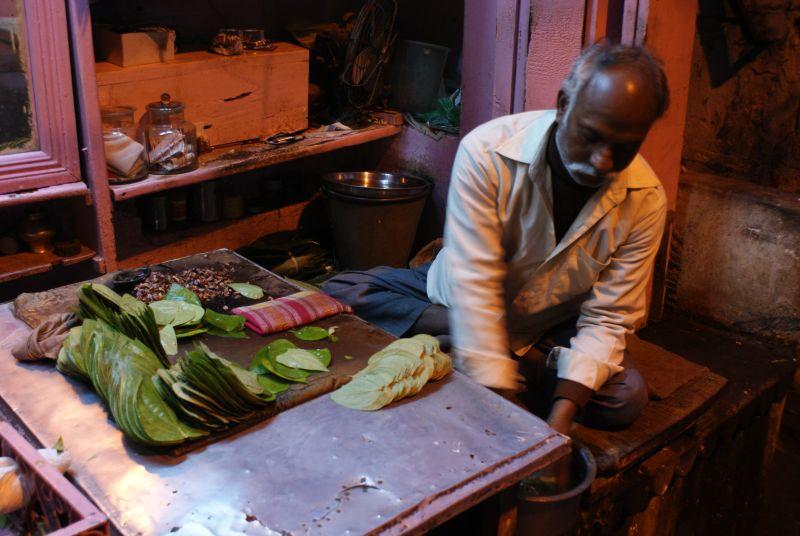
660 422
60 191
26 264
664 371
225 234
753 366
230 161
229 98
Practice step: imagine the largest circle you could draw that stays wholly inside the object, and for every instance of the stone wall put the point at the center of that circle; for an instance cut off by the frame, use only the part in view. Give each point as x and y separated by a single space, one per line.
744 102
735 255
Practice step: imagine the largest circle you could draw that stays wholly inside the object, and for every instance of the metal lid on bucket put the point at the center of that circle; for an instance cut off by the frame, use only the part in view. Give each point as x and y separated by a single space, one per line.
376 185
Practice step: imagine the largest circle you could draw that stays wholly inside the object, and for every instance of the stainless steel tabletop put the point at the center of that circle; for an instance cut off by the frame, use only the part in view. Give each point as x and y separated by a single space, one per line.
318 468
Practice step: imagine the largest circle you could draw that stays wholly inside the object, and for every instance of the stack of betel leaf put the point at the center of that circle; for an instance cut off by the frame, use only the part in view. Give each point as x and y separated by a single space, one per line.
181 314
281 363
401 369
121 369
124 313
121 352
210 392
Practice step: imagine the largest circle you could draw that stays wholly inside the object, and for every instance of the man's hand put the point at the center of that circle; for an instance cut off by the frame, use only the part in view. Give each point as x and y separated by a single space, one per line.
561 415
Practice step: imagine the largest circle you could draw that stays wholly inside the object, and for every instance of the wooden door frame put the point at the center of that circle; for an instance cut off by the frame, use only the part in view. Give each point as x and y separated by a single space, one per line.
495 50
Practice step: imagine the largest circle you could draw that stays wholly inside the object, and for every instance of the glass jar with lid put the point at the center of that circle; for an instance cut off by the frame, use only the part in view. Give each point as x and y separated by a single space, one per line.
126 158
170 140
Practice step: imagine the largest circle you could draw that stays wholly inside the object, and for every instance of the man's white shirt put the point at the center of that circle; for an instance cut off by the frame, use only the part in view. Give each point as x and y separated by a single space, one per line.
505 279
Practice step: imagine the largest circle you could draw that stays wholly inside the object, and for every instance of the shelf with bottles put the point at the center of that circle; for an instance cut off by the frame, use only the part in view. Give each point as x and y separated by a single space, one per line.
38 238
227 161
228 213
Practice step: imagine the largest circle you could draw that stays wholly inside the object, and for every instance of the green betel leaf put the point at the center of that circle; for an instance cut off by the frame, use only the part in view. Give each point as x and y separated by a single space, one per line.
183 332
59 446
179 293
301 359
169 339
106 293
310 333
401 369
272 385
247 290
257 366
176 313
229 334
125 314
324 355
227 323
268 358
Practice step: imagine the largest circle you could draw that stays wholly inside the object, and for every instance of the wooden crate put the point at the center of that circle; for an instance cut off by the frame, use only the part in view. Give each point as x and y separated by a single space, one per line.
64 509
134 48
229 98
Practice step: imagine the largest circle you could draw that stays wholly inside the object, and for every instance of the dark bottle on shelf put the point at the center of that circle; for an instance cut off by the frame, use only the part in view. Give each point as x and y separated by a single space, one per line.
178 206
157 213
205 205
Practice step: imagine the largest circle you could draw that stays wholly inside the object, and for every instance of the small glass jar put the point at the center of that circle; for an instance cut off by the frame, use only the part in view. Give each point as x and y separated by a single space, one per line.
37 232
170 140
126 158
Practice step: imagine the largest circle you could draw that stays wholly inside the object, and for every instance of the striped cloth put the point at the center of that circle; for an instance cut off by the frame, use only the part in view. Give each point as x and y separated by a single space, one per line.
290 311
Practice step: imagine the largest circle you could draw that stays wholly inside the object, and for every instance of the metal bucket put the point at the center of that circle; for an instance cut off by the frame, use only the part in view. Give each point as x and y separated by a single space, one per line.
374 216
556 513
418 69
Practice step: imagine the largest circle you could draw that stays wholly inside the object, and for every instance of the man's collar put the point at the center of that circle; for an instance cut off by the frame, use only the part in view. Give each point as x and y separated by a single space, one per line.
530 143
529 146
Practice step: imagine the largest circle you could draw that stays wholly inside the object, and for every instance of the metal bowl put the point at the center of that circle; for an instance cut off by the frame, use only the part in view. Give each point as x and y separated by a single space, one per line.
126 281
376 185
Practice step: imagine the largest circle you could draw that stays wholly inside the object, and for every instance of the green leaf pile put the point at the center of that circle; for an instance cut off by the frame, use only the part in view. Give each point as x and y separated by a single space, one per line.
280 363
120 369
401 369
181 309
176 313
124 313
210 392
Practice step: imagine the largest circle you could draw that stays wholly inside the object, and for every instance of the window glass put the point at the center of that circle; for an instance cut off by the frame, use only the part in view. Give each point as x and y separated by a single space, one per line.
17 125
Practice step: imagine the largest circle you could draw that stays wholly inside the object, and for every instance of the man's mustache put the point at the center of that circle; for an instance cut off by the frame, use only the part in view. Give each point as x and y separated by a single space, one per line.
586 169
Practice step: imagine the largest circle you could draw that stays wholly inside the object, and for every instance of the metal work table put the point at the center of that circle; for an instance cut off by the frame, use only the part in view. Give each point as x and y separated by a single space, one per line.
317 468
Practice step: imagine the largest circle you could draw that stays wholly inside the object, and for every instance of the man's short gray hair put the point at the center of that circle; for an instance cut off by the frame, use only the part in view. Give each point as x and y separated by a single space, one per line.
603 55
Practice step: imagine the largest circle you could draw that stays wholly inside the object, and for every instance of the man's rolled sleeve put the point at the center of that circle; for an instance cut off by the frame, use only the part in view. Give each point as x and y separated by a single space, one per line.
477 295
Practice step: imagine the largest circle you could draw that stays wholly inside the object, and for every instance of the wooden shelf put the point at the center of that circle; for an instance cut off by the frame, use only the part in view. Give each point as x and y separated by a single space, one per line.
25 264
198 238
232 160
72 189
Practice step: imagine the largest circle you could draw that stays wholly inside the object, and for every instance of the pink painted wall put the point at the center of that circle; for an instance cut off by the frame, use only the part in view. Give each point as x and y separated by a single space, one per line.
477 70
556 40
667 27
416 153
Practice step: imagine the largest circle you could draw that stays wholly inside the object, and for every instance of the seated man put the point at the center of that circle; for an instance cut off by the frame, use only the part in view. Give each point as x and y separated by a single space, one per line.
553 223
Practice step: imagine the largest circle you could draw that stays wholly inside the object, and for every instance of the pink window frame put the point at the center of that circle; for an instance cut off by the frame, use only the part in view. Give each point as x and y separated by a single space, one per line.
56 161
